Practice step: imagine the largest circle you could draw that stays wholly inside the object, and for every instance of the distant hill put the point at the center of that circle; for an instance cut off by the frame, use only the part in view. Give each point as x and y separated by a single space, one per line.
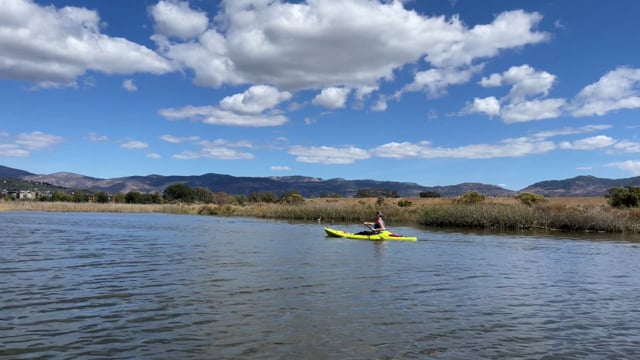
7 172
310 186
585 186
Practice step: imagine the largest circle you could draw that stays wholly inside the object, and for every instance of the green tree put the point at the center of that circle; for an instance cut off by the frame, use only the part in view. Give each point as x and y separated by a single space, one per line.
78 196
134 197
60 196
429 194
102 197
179 193
203 195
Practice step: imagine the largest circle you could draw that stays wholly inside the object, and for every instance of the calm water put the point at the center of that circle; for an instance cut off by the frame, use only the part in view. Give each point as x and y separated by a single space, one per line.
155 286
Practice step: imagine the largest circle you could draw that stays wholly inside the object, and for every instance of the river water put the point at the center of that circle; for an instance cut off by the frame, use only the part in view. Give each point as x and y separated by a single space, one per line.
157 286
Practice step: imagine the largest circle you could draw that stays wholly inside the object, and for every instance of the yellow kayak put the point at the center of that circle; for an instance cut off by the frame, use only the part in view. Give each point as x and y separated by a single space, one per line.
378 236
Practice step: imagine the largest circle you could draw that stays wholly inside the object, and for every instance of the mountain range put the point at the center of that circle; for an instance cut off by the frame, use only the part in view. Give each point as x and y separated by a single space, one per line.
581 186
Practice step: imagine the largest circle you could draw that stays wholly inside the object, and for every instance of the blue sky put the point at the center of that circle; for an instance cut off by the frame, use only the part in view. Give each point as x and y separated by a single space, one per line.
436 92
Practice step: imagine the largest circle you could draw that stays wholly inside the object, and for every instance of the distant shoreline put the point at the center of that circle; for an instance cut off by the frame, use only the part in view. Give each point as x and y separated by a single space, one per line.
572 214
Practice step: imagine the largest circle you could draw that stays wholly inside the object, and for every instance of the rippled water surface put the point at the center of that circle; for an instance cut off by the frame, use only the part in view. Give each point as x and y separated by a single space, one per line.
132 286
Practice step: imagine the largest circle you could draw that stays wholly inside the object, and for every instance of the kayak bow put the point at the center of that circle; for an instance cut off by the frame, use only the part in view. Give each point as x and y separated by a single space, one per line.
382 235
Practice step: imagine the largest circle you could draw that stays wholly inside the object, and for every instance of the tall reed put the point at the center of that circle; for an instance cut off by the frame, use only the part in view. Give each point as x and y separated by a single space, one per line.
497 213
542 216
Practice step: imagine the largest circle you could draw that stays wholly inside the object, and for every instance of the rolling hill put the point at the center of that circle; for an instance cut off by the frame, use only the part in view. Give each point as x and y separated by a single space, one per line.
310 186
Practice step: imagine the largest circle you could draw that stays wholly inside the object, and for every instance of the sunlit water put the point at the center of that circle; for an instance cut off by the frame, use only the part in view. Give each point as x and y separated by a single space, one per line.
140 286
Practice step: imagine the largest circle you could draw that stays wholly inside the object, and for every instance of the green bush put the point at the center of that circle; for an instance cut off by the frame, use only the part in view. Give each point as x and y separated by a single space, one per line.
530 199
404 203
472 197
624 196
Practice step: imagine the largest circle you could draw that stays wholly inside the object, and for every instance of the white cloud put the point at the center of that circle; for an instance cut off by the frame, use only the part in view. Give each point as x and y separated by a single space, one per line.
25 143
134 144
53 47
618 89
220 153
328 154
590 143
224 153
489 105
255 100
12 150
632 166
518 105
176 139
380 105
177 19
532 110
571 131
253 108
525 81
152 155
37 140
93 137
628 146
216 149
280 168
302 45
129 85
436 81
506 148
332 98
214 116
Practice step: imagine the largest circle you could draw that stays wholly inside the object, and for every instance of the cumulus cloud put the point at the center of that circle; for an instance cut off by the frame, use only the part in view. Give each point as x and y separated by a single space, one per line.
255 100
53 47
489 105
177 19
253 108
618 89
332 98
328 154
532 110
436 81
302 45
524 80
526 98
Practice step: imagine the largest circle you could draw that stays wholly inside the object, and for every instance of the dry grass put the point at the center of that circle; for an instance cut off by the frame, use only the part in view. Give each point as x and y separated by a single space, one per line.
95 207
574 214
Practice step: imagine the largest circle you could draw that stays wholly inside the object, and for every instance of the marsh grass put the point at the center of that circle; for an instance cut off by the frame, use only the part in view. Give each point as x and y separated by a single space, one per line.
571 214
554 216
96 207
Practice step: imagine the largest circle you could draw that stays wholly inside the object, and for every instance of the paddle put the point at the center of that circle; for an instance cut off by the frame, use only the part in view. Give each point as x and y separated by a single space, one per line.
375 231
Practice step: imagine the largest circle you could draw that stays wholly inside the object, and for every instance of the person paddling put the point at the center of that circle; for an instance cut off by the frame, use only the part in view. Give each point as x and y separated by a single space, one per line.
378 224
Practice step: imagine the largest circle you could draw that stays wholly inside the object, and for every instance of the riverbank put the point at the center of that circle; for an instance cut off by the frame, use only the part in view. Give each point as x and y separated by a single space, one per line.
570 214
